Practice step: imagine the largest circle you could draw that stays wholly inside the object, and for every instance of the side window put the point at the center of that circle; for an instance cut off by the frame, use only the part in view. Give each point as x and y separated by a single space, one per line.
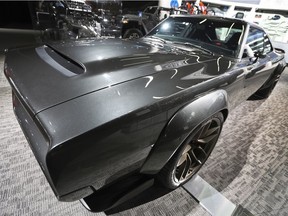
258 41
267 45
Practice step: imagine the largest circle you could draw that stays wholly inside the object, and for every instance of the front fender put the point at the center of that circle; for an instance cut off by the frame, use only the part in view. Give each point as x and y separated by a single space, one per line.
180 126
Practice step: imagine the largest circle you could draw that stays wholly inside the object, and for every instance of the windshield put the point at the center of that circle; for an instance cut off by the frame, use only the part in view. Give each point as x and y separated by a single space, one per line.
150 10
221 36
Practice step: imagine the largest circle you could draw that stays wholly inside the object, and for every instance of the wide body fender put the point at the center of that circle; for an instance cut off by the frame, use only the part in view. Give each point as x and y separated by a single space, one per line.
180 127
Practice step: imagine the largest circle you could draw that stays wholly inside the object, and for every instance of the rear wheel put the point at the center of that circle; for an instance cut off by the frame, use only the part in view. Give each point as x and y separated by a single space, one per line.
133 33
193 153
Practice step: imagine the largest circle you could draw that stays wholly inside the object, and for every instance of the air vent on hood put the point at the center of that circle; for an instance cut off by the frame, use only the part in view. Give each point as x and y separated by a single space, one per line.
60 62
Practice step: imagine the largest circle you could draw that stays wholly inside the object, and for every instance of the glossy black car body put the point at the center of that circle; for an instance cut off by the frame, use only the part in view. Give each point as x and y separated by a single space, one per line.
96 111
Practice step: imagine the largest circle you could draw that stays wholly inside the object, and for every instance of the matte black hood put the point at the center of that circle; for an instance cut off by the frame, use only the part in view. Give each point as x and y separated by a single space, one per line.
63 71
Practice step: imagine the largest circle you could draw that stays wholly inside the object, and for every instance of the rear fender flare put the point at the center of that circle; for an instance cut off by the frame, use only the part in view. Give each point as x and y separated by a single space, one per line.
180 126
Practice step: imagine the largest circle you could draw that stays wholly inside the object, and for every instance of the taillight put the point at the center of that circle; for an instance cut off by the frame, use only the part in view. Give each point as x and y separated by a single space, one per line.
7 70
14 99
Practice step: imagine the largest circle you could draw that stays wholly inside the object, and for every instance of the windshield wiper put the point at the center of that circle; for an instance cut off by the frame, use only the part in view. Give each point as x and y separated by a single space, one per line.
196 46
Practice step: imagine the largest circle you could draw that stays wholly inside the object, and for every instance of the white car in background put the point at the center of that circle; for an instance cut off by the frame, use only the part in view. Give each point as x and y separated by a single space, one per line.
275 25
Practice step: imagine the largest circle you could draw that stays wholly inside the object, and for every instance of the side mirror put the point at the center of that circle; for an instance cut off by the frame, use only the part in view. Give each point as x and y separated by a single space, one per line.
259 54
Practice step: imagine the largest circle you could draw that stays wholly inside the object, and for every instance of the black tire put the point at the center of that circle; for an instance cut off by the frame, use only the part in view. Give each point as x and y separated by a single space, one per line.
133 33
192 154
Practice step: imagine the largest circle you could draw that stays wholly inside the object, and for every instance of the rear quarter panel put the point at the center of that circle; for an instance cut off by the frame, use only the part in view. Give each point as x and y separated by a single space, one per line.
104 135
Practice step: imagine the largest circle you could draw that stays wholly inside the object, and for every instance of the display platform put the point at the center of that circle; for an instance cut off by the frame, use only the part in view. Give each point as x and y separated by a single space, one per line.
211 200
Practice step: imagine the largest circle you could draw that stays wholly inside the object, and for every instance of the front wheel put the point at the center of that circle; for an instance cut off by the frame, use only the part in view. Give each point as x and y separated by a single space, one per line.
192 154
133 34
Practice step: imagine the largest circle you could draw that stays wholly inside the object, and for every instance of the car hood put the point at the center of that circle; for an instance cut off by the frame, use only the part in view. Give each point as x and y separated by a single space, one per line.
52 74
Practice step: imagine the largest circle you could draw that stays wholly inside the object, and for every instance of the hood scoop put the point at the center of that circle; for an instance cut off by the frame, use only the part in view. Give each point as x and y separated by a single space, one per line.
60 62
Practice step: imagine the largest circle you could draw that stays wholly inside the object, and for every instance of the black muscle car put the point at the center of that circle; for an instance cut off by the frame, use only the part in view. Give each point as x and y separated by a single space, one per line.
112 112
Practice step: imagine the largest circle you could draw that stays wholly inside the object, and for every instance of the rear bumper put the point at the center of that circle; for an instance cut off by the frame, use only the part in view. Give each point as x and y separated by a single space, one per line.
39 143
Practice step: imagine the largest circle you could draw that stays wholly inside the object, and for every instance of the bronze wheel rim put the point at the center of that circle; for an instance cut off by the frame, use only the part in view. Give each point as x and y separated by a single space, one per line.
197 150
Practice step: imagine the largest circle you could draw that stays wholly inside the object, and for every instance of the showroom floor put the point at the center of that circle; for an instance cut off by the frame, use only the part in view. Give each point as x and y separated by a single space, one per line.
249 165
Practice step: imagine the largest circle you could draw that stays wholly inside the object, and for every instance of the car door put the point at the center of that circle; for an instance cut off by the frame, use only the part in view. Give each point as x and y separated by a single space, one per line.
257 56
